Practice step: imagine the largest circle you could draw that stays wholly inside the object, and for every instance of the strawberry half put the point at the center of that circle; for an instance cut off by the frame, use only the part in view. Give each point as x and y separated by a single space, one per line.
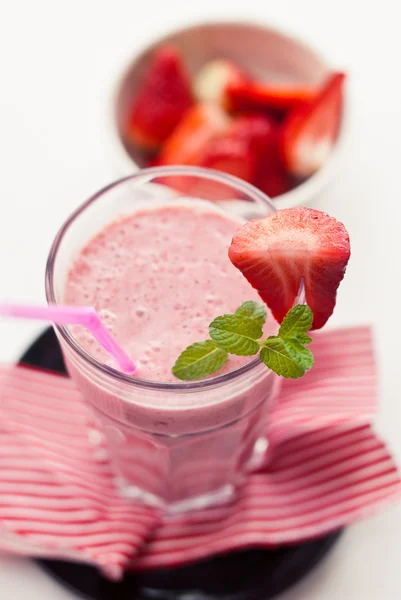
274 99
310 132
276 252
211 82
162 99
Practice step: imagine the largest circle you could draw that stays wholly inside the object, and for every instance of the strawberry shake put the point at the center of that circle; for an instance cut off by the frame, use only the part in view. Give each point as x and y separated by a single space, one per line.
156 267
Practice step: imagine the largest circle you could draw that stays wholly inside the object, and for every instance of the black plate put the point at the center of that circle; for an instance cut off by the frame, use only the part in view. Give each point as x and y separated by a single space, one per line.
247 575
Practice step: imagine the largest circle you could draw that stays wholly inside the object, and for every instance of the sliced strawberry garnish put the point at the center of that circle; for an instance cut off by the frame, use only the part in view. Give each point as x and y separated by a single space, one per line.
211 82
276 252
200 124
277 99
162 98
310 132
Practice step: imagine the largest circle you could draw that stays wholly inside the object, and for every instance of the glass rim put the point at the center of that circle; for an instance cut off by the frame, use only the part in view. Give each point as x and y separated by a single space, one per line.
118 376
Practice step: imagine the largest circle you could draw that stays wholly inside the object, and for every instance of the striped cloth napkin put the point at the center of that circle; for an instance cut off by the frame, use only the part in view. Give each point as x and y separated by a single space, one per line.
326 468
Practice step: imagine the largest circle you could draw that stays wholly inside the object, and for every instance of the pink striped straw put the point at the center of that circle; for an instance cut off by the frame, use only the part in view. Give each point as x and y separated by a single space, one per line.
73 315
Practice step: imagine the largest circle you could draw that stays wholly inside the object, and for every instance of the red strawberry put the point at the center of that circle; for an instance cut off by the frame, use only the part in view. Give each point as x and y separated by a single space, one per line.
188 143
271 177
162 98
276 252
230 156
263 135
272 98
259 131
310 132
200 124
236 150
212 80
249 150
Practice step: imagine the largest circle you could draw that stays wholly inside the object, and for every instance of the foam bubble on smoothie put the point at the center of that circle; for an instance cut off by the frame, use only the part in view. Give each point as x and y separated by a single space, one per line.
108 318
159 276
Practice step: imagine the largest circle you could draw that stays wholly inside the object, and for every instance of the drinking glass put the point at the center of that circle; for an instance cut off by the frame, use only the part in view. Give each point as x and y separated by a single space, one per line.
180 445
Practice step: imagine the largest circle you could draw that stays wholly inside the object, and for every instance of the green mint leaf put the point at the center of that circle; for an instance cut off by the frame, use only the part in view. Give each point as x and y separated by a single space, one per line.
199 360
252 309
276 356
236 334
240 334
303 339
296 322
301 355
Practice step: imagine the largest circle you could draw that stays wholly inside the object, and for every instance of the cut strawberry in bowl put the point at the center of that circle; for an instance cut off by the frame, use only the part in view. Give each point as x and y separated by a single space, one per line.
200 124
262 134
211 83
246 147
207 138
161 100
231 156
271 98
276 252
259 131
190 142
237 150
310 132
271 176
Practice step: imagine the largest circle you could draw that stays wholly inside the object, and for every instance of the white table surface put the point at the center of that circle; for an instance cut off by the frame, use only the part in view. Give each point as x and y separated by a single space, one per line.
57 61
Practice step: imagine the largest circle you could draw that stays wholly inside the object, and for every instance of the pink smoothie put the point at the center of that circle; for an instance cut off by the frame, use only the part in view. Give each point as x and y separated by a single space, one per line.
158 278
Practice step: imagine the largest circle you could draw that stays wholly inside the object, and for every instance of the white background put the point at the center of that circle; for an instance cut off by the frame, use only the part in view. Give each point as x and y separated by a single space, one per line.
57 62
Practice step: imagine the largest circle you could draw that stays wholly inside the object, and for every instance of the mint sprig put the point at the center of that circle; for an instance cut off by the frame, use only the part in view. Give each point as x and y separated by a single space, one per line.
236 334
297 322
199 360
239 333
254 310
276 356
